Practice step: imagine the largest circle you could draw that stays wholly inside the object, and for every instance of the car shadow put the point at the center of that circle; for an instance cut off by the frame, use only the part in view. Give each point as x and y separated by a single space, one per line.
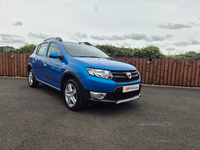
107 108
51 91
94 108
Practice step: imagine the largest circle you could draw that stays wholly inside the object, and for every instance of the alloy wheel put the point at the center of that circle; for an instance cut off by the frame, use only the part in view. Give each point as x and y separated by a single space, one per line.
30 78
70 94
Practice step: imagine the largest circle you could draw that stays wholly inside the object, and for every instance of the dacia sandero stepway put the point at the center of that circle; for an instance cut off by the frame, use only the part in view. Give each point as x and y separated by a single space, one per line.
83 73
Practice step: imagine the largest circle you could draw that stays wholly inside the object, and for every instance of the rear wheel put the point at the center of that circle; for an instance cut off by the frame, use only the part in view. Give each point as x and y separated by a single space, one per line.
72 95
32 82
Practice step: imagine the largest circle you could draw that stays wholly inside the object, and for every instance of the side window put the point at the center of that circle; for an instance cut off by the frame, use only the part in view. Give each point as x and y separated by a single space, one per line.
41 49
53 48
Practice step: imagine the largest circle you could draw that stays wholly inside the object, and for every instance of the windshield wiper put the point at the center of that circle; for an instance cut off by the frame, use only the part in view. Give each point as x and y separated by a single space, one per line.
109 57
94 56
89 56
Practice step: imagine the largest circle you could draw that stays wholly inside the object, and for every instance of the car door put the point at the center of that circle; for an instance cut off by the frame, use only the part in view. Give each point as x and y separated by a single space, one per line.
39 62
53 65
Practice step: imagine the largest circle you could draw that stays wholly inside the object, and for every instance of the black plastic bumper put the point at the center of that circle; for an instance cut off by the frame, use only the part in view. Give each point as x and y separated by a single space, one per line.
115 97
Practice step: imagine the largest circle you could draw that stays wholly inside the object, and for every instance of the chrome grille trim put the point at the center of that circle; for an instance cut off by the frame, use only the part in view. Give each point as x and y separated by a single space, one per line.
120 76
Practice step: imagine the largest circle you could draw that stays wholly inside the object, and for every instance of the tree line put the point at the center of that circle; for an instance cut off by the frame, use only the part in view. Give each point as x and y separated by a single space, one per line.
113 51
145 52
27 49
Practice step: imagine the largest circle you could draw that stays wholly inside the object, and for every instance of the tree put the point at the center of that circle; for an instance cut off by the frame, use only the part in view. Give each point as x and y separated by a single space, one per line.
146 52
7 49
112 51
188 55
151 52
137 53
28 49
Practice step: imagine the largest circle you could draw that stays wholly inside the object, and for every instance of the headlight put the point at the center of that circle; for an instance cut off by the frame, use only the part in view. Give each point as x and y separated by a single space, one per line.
100 73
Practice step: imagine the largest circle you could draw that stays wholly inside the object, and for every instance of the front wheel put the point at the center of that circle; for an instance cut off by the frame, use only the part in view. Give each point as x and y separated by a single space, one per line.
72 95
32 82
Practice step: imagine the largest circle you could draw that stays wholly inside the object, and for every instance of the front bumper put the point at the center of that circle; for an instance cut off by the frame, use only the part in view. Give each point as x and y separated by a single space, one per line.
93 83
116 96
116 102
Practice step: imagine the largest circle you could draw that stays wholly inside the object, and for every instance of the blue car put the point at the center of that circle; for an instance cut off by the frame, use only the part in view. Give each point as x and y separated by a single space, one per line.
83 73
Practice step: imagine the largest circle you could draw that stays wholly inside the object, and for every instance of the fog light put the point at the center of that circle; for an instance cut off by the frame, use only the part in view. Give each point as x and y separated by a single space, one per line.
97 95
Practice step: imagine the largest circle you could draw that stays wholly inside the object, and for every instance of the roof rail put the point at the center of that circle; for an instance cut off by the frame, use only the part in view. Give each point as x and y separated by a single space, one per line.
54 38
86 43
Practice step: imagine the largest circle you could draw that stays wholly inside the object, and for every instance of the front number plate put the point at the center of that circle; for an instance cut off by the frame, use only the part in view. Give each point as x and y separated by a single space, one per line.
130 88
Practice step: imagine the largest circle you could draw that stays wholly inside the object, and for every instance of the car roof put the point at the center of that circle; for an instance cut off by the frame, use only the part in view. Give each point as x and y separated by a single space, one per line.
58 39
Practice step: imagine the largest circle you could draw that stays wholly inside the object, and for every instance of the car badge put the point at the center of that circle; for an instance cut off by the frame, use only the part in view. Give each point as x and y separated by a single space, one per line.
128 74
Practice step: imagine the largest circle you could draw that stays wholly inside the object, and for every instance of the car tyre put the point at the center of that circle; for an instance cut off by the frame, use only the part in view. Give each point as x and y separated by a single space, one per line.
32 82
72 95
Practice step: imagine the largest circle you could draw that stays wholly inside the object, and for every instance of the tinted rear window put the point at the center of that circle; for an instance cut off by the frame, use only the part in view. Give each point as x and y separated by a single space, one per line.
41 49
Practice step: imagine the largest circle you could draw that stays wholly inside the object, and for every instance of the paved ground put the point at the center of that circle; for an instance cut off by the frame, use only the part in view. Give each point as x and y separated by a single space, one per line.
163 118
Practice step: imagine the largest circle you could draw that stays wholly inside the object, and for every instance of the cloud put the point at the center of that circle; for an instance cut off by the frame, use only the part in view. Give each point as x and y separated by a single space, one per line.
175 26
157 38
97 37
160 38
95 8
111 38
18 23
170 49
39 35
133 36
126 44
195 24
160 45
168 36
121 44
136 36
80 35
186 43
197 51
182 43
11 38
194 42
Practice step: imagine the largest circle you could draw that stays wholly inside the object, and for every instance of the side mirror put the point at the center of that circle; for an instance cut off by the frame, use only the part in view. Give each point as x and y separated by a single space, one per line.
55 55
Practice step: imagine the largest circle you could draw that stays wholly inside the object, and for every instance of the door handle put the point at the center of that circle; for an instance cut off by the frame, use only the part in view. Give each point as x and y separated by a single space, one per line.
45 63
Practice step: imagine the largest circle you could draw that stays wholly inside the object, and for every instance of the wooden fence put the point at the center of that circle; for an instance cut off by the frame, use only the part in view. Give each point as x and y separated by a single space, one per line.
13 64
167 71
158 71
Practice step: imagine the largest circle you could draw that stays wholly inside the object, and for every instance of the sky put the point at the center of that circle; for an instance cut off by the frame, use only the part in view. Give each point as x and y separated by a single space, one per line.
171 25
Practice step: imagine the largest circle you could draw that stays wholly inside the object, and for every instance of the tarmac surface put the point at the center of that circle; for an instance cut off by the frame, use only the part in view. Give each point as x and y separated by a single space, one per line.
163 118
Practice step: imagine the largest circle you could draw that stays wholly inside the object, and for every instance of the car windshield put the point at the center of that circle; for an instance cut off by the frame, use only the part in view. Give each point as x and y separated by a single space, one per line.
81 50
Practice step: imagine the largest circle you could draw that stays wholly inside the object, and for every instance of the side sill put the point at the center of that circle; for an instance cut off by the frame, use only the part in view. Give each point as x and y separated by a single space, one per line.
49 85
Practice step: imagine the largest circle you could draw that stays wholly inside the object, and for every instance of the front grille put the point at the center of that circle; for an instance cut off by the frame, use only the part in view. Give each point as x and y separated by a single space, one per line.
121 76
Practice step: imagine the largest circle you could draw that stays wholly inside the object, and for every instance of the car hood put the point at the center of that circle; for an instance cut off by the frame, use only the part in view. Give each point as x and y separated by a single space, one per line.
107 64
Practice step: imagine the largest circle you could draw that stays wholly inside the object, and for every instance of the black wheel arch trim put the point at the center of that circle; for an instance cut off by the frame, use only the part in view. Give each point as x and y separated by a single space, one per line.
79 82
29 64
75 76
